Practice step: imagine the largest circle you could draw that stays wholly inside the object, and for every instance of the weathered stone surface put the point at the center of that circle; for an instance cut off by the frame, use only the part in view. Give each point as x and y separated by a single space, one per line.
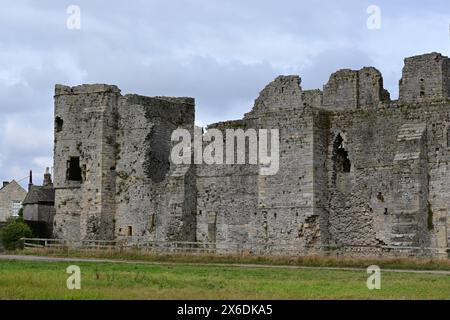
356 169
351 89
425 77
123 146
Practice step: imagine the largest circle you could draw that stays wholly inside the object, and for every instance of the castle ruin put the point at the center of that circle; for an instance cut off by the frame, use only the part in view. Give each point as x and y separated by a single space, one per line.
356 168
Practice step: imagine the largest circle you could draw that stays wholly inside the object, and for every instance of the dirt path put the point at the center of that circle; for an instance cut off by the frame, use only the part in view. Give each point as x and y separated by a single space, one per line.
236 265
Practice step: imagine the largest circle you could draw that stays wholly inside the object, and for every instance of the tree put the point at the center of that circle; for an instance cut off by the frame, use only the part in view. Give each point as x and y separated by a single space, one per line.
21 213
15 230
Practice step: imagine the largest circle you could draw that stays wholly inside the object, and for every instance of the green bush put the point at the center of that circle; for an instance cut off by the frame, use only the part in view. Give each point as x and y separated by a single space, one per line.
13 232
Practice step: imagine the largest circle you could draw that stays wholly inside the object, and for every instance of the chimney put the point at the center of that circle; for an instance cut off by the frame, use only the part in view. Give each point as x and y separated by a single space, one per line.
5 183
30 182
47 177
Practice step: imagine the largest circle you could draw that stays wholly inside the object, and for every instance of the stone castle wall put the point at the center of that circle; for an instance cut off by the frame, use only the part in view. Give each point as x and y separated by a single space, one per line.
122 144
356 169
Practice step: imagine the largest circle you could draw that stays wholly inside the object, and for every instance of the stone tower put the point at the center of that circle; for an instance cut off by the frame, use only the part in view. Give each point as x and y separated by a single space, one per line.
113 175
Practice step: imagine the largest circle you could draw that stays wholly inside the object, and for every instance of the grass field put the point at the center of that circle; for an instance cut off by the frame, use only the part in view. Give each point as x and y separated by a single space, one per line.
310 261
47 280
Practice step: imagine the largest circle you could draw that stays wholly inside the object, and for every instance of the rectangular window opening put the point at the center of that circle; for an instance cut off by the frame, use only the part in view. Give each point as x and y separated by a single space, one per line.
74 169
129 231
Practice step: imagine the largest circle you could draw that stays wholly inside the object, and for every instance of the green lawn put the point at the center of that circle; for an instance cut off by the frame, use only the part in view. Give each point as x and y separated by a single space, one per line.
47 280
309 260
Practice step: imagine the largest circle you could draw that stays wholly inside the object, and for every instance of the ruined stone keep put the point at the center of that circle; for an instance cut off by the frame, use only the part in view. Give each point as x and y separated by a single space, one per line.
356 168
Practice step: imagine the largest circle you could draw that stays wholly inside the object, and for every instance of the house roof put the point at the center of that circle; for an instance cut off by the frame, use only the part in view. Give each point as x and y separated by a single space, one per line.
40 194
13 183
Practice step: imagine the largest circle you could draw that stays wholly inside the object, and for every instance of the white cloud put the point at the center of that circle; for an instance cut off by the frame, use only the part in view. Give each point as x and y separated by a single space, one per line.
21 137
43 162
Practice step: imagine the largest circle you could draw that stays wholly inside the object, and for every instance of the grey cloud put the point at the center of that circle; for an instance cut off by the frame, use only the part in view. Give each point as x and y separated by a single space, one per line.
220 52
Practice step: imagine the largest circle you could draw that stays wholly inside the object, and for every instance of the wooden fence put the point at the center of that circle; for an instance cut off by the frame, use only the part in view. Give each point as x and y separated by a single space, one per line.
236 248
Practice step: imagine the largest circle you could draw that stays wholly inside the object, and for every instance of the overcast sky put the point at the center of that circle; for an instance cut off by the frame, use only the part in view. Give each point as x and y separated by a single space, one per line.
220 52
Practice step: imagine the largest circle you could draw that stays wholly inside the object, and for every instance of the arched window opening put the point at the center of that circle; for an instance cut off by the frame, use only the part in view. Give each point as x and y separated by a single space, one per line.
340 156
